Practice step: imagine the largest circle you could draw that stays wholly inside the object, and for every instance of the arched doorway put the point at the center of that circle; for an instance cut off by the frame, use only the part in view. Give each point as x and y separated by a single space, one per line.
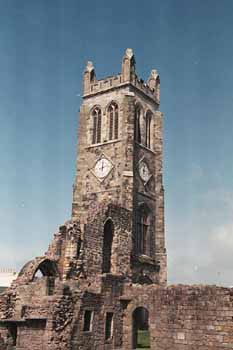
107 246
141 333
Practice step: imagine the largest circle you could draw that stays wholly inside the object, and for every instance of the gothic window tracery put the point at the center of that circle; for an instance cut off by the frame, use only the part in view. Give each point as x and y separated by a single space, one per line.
97 120
113 121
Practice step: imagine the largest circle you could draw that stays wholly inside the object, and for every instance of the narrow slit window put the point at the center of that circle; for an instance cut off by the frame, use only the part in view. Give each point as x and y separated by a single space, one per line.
99 128
148 130
109 325
111 123
116 124
94 129
50 285
87 325
137 131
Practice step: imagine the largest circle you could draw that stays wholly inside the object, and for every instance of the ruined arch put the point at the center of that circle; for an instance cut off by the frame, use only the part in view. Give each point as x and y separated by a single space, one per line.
40 268
107 245
140 328
47 268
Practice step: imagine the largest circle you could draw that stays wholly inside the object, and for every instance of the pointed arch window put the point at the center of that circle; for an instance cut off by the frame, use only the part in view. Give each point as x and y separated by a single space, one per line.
113 121
148 129
107 246
97 120
137 130
143 231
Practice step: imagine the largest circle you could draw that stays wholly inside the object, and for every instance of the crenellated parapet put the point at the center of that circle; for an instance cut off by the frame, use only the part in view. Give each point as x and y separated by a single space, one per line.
127 77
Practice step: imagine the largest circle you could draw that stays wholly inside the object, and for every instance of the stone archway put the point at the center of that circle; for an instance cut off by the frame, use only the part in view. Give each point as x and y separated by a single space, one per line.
140 329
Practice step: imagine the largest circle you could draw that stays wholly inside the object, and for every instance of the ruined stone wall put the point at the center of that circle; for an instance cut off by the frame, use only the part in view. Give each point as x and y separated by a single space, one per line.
183 317
32 336
107 300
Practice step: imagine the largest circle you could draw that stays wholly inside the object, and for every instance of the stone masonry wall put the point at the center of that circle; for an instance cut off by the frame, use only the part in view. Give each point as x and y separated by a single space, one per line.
183 317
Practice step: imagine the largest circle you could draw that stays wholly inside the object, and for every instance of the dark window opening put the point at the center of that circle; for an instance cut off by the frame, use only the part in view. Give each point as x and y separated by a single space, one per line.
92 75
79 244
50 285
110 124
99 128
96 135
23 310
141 332
107 246
148 130
137 130
116 124
94 129
108 325
13 333
143 232
113 121
87 326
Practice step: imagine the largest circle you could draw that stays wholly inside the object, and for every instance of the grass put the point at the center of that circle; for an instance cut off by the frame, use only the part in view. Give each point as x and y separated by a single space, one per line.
143 341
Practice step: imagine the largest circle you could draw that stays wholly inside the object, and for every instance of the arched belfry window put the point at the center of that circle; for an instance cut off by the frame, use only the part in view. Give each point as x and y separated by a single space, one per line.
113 121
96 116
107 246
137 121
143 231
148 129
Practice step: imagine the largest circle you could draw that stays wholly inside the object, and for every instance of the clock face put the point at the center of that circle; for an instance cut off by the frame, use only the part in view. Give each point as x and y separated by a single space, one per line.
144 172
102 168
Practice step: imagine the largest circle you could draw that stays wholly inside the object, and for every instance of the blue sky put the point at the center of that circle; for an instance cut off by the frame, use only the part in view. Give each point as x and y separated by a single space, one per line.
43 49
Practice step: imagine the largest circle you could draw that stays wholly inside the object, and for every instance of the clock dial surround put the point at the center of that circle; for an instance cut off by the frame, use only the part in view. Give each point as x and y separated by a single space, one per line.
144 172
102 168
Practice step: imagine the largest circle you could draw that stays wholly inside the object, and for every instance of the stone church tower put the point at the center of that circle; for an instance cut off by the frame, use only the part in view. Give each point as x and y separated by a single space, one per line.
114 241
119 165
101 285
